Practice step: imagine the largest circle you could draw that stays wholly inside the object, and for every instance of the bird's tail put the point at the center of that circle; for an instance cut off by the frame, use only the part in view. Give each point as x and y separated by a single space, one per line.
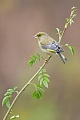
63 58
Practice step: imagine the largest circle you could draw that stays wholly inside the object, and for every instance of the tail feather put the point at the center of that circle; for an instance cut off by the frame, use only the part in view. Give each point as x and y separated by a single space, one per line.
63 58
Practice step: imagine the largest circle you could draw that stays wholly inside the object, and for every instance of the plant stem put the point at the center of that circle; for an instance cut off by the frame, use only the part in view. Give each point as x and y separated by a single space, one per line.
25 86
62 33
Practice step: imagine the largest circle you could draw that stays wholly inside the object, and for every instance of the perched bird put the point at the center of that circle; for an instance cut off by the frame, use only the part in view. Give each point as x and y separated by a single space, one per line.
49 45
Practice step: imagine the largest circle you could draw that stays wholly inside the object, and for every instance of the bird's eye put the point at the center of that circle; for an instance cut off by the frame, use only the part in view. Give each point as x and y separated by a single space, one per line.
58 47
39 35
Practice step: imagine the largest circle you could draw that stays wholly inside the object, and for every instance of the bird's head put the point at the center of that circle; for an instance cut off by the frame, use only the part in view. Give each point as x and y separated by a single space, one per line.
40 35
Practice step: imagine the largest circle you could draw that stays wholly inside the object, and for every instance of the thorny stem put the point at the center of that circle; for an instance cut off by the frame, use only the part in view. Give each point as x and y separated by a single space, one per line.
25 86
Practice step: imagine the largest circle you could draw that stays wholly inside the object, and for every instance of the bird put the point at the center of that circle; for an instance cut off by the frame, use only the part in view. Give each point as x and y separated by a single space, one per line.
48 45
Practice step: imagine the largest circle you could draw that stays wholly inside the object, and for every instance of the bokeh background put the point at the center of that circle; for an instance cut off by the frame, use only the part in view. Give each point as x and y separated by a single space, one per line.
20 20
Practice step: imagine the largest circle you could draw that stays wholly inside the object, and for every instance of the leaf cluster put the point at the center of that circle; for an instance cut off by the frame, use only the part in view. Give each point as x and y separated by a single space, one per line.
43 79
7 96
69 20
37 94
33 59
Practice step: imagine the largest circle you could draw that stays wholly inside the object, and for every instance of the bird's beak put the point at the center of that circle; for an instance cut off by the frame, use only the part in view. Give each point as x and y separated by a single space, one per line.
35 36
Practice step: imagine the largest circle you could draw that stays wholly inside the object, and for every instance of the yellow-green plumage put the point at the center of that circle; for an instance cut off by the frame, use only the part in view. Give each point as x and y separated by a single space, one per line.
49 45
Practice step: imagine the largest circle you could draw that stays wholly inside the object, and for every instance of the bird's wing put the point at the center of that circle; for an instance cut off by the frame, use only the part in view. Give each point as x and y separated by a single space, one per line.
50 47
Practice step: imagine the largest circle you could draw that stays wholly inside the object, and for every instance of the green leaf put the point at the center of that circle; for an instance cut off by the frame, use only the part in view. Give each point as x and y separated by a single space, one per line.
37 94
70 48
46 75
34 93
17 116
71 21
42 71
15 88
10 90
43 77
13 117
74 15
45 83
67 19
40 87
38 56
33 58
41 81
8 103
5 99
40 76
40 94
47 79
58 31
30 62
8 93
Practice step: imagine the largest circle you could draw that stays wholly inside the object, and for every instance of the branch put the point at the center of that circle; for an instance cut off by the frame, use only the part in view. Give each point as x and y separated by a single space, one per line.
25 86
69 21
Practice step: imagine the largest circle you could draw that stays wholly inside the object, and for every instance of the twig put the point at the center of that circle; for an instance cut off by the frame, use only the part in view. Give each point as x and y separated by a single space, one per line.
24 87
69 21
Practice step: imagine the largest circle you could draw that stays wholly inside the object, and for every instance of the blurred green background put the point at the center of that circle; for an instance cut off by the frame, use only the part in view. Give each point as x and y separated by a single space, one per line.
20 20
